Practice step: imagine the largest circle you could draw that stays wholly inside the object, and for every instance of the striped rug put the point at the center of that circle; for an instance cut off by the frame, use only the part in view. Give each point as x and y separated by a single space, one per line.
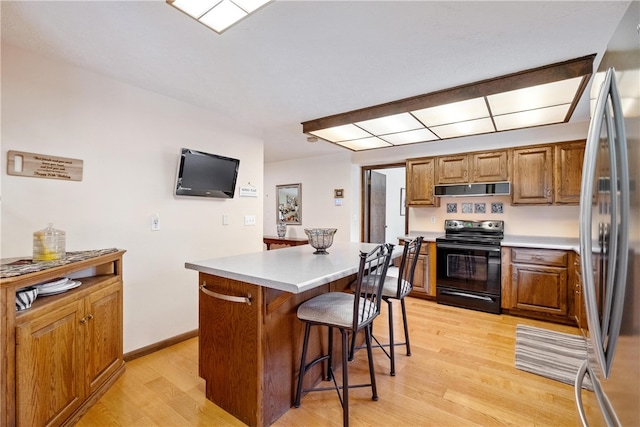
550 354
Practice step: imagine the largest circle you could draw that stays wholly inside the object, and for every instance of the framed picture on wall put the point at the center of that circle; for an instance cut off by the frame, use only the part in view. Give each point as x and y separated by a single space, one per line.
289 204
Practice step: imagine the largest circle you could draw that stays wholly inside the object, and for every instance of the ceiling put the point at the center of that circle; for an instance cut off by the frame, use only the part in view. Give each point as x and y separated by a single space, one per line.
295 61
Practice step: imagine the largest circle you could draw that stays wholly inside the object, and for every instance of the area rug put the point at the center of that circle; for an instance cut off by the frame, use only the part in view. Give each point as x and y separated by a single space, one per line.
550 354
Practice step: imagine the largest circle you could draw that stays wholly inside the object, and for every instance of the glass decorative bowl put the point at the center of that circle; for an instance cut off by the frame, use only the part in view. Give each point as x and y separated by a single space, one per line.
320 239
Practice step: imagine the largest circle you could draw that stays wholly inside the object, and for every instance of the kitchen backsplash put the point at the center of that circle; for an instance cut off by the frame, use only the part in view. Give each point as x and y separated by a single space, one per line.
556 221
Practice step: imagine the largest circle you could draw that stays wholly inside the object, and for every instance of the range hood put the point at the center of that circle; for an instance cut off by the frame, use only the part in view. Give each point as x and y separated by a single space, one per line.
473 189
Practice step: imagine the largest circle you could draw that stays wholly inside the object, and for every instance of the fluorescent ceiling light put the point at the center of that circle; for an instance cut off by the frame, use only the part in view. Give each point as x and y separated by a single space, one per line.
538 117
468 127
470 109
536 97
390 124
218 15
409 137
341 133
365 144
533 97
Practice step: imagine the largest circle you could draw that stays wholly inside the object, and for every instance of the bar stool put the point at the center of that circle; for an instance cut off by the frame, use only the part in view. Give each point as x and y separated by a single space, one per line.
348 314
396 288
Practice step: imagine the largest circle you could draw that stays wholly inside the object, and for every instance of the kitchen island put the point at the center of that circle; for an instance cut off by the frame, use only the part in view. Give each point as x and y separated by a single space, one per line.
250 339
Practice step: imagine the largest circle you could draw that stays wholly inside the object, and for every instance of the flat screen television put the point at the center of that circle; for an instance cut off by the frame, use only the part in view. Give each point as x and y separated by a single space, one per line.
206 175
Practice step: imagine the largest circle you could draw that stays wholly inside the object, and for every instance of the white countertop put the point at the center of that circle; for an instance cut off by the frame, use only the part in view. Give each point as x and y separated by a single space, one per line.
542 242
293 269
428 236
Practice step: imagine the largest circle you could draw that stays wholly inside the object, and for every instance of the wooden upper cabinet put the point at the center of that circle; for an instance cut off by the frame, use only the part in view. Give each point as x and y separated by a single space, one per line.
532 175
453 169
568 171
489 166
420 180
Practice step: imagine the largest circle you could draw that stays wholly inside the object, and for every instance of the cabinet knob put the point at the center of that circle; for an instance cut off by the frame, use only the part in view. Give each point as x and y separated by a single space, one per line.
89 317
83 320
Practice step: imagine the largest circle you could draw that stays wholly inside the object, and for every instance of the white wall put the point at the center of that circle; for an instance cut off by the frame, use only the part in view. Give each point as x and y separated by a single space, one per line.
129 140
319 177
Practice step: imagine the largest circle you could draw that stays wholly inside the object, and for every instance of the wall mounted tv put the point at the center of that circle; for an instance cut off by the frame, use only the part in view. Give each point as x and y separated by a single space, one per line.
206 175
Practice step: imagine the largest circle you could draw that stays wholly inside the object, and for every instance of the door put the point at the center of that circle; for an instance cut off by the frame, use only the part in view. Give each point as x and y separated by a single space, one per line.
377 197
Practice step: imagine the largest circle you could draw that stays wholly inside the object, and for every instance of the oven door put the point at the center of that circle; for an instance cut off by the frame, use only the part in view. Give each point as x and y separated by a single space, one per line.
468 275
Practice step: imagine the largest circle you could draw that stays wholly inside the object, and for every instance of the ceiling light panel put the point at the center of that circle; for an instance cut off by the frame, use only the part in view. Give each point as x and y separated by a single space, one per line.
466 128
539 117
365 144
218 15
194 8
409 137
454 112
539 96
250 6
341 133
390 124
223 15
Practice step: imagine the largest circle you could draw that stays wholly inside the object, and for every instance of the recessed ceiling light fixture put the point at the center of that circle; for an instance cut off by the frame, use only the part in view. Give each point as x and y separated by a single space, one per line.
536 97
218 15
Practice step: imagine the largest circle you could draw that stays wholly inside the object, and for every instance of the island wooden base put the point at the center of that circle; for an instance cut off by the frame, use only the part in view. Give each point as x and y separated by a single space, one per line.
250 352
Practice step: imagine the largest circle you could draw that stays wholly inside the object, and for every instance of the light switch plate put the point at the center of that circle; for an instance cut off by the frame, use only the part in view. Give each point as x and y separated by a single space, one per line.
249 220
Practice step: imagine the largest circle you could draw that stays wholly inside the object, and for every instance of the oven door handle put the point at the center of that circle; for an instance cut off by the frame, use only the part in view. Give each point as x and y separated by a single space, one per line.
469 247
466 295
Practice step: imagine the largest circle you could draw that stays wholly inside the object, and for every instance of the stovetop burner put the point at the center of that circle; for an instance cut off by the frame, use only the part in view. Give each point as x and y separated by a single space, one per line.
479 232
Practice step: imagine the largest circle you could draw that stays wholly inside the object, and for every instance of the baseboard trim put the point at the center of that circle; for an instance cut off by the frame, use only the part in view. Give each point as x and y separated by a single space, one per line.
159 345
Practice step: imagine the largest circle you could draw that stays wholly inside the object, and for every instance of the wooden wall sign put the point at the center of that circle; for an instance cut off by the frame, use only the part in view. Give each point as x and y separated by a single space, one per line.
43 166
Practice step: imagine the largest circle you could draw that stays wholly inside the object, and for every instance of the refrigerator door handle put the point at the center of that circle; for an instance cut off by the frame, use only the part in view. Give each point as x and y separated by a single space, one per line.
578 393
621 236
605 405
586 240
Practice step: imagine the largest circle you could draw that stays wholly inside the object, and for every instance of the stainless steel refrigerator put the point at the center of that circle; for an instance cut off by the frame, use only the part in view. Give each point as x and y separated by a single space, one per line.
610 233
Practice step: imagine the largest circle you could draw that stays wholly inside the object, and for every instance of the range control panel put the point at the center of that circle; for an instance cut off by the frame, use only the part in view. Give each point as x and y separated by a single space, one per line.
460 225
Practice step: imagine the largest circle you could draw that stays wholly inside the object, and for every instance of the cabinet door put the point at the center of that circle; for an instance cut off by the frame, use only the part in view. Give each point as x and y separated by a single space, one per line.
420 180
49 360
453 169
533 175
489 166
539 289
103 328
421 277
568 171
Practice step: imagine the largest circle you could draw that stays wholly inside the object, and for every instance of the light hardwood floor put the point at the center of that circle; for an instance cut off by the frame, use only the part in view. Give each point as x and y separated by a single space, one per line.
461 373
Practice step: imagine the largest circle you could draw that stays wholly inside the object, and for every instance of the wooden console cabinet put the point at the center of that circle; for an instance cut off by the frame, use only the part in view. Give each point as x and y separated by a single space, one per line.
61 354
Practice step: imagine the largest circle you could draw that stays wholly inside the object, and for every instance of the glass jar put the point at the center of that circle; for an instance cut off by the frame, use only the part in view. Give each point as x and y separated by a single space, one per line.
49 244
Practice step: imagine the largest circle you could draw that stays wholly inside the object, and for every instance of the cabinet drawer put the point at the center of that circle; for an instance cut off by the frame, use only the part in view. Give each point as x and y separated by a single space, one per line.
539 256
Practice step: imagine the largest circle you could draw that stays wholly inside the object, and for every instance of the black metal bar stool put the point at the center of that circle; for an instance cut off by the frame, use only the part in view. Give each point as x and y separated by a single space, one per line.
349 314
397 288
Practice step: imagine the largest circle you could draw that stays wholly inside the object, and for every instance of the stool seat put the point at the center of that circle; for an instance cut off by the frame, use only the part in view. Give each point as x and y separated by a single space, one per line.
336 309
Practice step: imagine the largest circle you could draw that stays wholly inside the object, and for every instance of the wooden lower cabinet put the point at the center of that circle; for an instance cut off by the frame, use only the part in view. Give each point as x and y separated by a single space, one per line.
538 284
578 310
68 347
424 280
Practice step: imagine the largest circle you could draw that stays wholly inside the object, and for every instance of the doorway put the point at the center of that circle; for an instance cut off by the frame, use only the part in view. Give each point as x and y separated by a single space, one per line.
383 217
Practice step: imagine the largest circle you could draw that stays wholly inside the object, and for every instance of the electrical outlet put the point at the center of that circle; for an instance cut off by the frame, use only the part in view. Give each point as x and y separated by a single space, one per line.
249 220
155 222
433 219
